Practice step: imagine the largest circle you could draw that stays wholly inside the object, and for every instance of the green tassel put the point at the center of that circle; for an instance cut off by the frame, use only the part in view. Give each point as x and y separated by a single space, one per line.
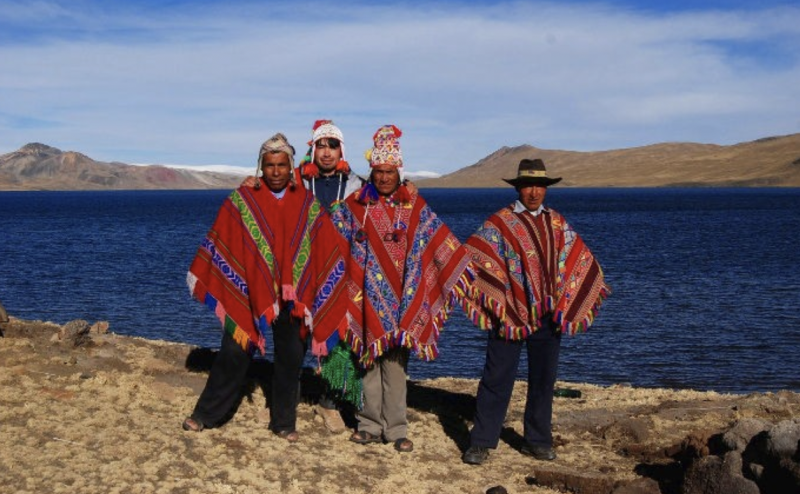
341 373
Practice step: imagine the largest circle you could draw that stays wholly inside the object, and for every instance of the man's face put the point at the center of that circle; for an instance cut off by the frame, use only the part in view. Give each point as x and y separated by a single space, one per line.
386 179
532 196
277 170
327 153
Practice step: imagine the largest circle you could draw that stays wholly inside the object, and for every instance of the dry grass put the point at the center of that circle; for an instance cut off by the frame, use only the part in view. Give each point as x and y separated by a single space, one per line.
105 417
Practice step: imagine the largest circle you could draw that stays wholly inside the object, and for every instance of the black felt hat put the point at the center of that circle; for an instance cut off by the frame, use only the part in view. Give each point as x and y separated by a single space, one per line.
532 172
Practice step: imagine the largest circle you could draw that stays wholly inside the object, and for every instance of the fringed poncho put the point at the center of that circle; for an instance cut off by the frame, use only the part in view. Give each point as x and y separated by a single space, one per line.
264 255
529 267
405 273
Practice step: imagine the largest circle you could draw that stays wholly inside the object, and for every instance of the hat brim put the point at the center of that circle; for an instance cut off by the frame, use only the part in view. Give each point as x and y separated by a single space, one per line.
523 181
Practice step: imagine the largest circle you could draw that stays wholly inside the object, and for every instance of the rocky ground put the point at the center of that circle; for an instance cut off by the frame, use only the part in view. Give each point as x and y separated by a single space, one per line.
86 410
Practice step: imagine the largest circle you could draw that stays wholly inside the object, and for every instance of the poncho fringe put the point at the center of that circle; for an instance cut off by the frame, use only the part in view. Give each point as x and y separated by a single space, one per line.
402 339
341 371
406 273
236 276
576 265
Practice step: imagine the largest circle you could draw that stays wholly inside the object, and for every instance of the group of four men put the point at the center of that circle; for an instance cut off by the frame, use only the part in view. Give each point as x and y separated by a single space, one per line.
369 271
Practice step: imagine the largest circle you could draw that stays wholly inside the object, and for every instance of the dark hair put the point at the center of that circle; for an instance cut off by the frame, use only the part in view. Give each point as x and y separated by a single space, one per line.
331 142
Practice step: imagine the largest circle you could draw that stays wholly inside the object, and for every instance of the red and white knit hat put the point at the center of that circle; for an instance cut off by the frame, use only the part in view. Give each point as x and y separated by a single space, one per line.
326 129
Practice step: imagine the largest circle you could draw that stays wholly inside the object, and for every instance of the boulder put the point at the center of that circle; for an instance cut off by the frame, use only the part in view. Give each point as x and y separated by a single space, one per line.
737 438
571 480
641 485
76 332
715 475
100 327
782 440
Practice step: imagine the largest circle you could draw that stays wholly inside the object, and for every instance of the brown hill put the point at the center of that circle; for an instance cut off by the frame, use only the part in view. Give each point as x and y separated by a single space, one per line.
768 162
39 167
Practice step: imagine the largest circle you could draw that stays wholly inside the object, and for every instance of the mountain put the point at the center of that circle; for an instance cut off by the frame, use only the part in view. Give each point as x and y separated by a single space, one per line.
768 162
37 166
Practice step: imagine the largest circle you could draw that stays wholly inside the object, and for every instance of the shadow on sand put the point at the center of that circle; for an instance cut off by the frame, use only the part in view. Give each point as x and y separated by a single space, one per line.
454 410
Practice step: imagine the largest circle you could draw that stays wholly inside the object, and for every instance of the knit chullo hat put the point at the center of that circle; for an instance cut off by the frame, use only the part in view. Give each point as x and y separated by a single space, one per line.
386 149
322 129
326 129
276 144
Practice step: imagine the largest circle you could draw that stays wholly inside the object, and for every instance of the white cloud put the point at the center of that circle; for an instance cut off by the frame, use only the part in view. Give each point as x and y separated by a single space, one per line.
208 85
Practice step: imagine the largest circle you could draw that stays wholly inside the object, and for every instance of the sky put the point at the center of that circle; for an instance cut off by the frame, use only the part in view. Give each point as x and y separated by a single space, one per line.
205 82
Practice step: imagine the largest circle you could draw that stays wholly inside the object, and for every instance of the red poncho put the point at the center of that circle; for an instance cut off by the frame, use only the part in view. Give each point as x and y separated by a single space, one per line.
530 267
264 255
406 270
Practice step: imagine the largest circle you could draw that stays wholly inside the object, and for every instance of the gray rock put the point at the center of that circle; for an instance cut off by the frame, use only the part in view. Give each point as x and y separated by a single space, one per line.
100 327
76 332
642 485
715 475
791 471
737 438
756 471
782 439
782 477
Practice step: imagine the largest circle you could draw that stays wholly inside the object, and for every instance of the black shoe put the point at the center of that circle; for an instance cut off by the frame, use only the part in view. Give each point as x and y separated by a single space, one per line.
475 455
543 453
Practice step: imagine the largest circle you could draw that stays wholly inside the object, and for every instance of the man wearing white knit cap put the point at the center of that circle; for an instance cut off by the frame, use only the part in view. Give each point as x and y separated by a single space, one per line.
324 170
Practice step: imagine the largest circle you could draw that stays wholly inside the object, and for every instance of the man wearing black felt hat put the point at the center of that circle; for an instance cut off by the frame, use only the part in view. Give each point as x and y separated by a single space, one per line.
535 279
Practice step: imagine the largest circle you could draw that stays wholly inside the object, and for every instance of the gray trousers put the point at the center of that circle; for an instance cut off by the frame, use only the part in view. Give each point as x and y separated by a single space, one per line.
384 388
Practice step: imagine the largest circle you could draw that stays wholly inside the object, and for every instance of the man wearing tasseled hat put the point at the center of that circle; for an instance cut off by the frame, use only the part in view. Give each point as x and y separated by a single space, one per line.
534 280
405 271
326 173
324 170
271 263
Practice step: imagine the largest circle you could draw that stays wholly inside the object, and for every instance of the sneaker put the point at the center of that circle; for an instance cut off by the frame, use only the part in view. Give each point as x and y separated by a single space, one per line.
332 419
543 453
475 455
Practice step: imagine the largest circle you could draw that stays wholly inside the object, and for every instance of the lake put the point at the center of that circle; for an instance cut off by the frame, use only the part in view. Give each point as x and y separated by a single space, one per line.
706 291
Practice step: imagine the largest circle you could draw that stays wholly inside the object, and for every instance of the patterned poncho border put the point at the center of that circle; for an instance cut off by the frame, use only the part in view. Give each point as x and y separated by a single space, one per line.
557 274
406 272
240 274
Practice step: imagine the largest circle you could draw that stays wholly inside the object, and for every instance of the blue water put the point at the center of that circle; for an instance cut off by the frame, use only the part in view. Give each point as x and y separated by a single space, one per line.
706 288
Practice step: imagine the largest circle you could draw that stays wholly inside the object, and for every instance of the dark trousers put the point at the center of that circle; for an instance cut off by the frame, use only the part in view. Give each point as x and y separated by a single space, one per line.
229 372
497 384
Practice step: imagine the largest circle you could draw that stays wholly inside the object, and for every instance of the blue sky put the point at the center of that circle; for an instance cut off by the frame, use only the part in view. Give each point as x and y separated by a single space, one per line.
205 82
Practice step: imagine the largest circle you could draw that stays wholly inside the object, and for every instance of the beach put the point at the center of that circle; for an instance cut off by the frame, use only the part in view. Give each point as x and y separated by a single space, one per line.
85 410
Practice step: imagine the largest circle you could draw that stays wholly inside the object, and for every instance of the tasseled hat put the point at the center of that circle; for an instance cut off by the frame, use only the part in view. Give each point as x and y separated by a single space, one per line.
276 143
323 129
386 149
326 129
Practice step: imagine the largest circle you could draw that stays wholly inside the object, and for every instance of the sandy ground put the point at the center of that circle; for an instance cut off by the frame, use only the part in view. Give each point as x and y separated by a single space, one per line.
105 416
